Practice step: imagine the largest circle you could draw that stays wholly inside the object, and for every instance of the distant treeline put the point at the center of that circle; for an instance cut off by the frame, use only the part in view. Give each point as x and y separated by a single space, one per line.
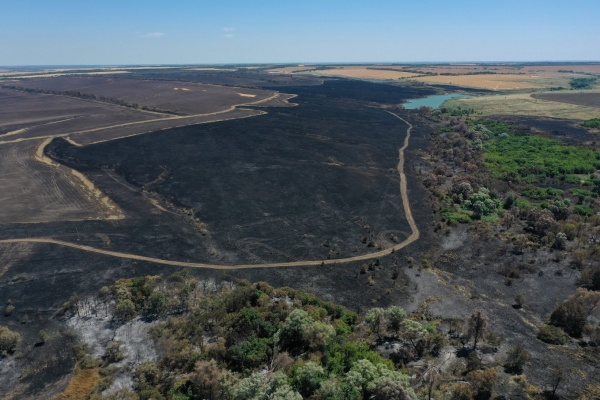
582 83
88 96
428 73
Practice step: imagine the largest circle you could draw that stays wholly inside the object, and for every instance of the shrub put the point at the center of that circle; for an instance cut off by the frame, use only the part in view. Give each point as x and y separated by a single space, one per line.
570 316
516 359
42 336
482 382
553 335
593 123
374 319
394 316
125 310
453 217
113 353
8 340
583 210
520 300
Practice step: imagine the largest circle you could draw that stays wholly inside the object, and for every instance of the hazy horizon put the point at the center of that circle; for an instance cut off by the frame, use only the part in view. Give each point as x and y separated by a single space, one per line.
67 32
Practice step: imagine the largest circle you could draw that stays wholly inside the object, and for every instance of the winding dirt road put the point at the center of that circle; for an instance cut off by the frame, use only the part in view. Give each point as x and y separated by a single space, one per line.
405 202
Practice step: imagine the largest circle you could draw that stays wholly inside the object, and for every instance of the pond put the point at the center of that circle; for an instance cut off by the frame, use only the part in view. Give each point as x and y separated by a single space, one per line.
432 101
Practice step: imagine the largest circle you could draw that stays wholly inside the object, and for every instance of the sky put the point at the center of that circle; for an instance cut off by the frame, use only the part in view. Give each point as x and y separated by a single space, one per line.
131 32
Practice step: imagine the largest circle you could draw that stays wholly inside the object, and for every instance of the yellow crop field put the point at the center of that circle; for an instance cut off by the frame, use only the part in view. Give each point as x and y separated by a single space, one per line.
364 73
491 82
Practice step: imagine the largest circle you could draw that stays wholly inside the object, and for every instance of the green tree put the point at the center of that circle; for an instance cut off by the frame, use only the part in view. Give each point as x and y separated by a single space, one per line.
415 334
570 316
374 319
307 378
394 316
291 334
255 387
125 310
372 379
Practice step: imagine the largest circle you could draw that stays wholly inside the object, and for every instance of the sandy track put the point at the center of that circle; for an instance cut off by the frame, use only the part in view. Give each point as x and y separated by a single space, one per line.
405 202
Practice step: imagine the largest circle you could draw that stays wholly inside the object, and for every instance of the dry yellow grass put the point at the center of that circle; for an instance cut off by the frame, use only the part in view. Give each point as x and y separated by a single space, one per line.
364 73
524 104
80 386
246 94
492 82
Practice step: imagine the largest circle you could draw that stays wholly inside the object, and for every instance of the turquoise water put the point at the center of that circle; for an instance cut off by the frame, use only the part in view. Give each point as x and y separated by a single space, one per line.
431 101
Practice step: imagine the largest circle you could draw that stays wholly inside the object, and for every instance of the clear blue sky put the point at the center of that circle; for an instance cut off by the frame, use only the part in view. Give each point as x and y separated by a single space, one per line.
82 32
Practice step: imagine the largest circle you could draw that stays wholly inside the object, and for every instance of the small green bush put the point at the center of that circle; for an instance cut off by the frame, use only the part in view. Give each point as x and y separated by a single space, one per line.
583 210
8 340
454 218
542 193
553 335
592 123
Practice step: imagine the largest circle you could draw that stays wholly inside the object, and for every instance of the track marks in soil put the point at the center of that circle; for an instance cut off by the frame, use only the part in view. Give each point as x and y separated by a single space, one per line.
11 254
35 189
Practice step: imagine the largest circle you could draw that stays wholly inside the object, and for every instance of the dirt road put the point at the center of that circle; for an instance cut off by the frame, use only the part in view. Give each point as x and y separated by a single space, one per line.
405 202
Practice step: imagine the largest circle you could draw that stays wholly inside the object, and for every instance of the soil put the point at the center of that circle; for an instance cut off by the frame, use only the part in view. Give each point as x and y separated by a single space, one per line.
274 188
248 78
197 99
580 99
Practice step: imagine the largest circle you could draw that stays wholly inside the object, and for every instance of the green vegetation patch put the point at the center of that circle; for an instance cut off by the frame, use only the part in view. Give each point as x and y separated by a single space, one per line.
553 335
582 83
586 211
542 193
592 123
495 127
535 158
453 217
583 193
223 341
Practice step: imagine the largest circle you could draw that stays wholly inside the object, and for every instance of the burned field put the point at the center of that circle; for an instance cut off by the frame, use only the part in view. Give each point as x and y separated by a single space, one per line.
580 99
190 99
310 182
247 78
28 115
36 190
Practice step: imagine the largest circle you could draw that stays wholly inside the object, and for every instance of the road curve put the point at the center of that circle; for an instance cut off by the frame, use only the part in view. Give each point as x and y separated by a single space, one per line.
405 202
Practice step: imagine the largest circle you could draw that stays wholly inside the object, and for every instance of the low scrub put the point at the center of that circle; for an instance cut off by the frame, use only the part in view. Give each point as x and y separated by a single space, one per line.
553 335
8 340
592 123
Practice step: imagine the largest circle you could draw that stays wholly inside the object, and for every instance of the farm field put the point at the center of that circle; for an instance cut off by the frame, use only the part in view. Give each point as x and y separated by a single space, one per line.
273 188
244 78
32 115
524 104
363 73
189 99
491 82
35 189
290 70
587 99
